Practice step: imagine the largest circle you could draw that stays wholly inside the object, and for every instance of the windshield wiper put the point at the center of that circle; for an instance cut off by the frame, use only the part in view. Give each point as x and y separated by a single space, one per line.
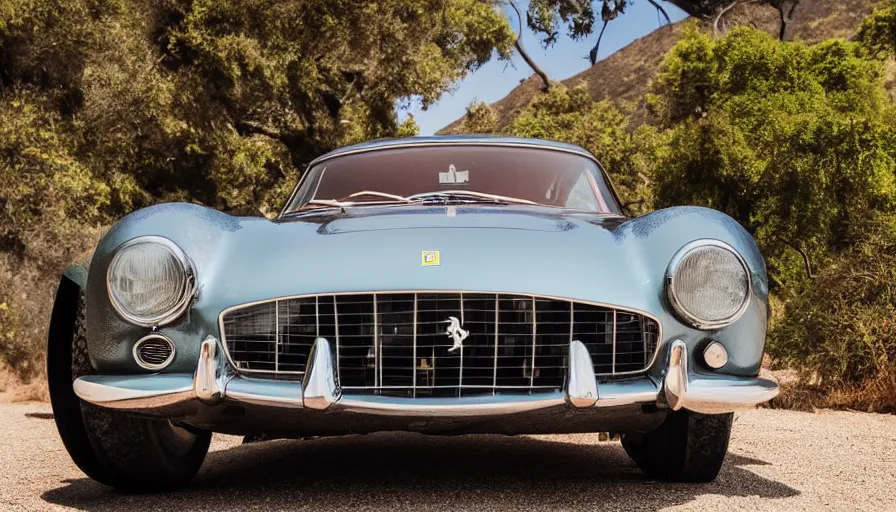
465 196
334 203
438 197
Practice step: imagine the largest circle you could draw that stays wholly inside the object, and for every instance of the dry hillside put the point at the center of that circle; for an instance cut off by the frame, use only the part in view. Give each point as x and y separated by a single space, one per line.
626 75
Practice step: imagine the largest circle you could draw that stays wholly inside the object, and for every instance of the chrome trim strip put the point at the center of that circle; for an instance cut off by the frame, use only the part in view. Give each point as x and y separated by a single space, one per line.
627 392
137 391
414 362
613 362
534 344
450 407
277 333
190 283
154 367
676 304
460 373
465 386
270 393
653 358
497 324
572 321
581 386
377 358
717 396
336 329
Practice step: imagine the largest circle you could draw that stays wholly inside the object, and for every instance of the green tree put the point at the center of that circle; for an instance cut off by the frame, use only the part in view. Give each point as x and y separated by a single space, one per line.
221 102
110 105
793 141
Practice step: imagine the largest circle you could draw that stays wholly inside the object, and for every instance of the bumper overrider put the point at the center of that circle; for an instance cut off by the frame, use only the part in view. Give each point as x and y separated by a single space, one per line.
215 382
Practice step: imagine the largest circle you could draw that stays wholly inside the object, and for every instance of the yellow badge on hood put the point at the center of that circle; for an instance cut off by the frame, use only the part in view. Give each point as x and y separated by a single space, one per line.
430 258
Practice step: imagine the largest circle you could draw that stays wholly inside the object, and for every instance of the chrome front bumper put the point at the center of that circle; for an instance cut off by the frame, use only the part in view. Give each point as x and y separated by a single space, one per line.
213 383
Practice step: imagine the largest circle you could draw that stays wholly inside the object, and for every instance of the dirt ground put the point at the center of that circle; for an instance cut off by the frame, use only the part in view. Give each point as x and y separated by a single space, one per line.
778 460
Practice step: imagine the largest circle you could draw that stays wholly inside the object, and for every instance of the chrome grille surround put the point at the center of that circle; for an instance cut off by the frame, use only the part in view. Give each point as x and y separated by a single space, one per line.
509 335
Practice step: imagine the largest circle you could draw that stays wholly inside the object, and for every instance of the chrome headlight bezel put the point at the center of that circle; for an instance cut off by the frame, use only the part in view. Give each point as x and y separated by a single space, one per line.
187 293
677 306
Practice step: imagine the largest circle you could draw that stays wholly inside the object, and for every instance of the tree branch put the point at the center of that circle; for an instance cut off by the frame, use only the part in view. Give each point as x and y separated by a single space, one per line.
723 12
662 11
806 261
252 128
701 10
592 55
518 44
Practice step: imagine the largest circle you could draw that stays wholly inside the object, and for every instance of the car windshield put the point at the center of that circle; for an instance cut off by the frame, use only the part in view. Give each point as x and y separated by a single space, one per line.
457 174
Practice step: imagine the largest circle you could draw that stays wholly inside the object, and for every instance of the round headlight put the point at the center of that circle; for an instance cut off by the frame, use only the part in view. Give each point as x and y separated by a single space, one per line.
708 284
150 281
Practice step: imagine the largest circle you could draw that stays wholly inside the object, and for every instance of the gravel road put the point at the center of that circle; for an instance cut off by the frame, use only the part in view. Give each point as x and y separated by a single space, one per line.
779 460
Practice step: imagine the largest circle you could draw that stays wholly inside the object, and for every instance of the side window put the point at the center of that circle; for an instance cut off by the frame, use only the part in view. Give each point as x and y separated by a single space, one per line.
581 195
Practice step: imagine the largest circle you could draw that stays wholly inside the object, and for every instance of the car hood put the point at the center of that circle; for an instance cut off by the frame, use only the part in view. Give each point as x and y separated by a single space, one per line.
525 250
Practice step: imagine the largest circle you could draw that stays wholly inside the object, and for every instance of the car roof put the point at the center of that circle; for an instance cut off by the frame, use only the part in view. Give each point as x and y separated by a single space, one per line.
438 140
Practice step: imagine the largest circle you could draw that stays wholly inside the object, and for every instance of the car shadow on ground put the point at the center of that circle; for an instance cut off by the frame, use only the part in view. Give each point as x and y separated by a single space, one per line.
412 471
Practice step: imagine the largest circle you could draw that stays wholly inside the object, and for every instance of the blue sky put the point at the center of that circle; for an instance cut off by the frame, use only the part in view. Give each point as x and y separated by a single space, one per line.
566 58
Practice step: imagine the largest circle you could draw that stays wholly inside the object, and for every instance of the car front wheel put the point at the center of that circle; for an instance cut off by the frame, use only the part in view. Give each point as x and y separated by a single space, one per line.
686 447
115 448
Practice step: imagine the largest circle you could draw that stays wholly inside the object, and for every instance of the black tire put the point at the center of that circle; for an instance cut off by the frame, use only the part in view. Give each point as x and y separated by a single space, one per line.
127 452
687 447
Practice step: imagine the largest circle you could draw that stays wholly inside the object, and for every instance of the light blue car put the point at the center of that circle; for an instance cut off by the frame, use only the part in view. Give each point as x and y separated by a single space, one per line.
437 285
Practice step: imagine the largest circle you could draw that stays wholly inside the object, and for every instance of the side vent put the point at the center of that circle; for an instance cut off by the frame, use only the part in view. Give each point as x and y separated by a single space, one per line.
154 352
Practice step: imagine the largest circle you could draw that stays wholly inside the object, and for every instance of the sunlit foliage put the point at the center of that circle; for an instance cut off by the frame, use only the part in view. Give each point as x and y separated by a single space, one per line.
793 141
110 105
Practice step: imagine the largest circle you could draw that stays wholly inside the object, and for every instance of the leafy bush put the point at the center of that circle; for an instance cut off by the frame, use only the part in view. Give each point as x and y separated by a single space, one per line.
840 332
480 118
878 32
43 182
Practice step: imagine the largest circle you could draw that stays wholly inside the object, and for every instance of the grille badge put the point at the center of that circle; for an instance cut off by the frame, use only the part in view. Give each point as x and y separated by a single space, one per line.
456 333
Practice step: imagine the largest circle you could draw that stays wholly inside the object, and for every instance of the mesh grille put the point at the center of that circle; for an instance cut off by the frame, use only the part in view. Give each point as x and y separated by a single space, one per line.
397 343
153 352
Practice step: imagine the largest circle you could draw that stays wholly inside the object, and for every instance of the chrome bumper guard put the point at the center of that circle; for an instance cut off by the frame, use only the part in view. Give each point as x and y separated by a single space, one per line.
320 391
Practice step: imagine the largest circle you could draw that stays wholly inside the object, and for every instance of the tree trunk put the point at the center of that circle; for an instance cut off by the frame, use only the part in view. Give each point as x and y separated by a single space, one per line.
535 67
786 10
524 54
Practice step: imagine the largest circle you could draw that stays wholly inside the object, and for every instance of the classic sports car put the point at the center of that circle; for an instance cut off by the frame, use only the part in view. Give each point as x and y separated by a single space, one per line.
435 285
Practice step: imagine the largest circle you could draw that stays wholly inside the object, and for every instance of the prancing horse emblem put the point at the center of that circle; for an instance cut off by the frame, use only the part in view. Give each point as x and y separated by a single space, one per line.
456 333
